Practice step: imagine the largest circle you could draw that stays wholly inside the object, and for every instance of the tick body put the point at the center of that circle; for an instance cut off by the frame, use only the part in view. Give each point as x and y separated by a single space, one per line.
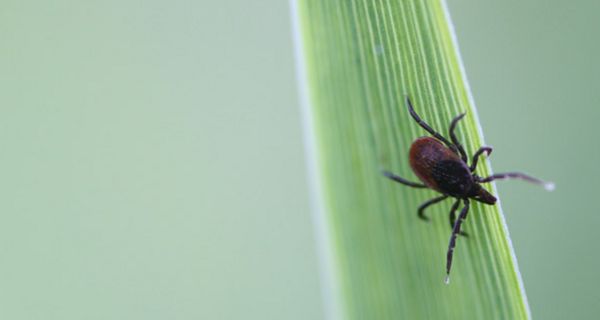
441 165
442 170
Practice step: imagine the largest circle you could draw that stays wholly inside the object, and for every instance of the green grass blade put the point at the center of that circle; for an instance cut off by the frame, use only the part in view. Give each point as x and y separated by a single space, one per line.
357 60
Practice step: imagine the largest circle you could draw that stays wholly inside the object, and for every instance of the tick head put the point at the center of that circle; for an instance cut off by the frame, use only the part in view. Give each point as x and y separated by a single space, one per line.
480 194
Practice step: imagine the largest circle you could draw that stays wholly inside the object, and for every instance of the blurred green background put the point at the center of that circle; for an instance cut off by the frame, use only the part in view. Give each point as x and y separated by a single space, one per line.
152 162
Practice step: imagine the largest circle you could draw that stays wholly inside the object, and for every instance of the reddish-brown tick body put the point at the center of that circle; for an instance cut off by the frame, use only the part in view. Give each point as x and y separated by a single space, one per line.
440 168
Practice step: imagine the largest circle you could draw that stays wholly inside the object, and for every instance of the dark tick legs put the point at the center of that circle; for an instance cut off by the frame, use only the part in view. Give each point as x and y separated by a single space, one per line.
455 233
421 210
459 147
452 216
487 150
454 145
402 180
517 175
425 126
453 213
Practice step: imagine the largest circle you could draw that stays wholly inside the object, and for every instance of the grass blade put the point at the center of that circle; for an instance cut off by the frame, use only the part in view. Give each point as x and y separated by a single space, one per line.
357 61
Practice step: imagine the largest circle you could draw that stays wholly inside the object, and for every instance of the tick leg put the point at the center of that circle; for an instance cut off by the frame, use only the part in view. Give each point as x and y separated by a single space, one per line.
517 175
421 210
453 213
487 150
455 233
402 180
459 147
425 126
453 216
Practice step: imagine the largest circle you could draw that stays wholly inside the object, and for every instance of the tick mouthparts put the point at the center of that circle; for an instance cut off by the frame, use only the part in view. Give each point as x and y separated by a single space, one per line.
447 279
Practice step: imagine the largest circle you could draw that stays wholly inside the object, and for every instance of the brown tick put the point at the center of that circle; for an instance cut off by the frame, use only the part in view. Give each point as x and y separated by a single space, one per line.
442 166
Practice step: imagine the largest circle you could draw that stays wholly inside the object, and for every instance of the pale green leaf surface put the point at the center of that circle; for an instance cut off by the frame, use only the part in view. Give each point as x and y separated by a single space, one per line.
359 59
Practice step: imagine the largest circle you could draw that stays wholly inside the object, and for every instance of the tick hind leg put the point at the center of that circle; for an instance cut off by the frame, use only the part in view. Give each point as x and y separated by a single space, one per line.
422 207
455 233
425 126
403 181
457 144
454 145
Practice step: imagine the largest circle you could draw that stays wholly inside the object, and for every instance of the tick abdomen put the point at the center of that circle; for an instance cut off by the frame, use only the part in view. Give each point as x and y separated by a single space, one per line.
440 168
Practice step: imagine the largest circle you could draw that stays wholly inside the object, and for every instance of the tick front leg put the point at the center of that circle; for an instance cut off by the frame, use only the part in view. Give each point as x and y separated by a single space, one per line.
487 150
517 175
455 233
402 180
421 210
452 216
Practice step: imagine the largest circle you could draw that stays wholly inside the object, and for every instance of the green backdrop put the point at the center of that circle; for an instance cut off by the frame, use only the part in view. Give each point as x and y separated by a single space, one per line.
152 162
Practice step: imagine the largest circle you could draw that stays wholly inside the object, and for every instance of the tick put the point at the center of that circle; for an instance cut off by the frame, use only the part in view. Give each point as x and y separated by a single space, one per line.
441 165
